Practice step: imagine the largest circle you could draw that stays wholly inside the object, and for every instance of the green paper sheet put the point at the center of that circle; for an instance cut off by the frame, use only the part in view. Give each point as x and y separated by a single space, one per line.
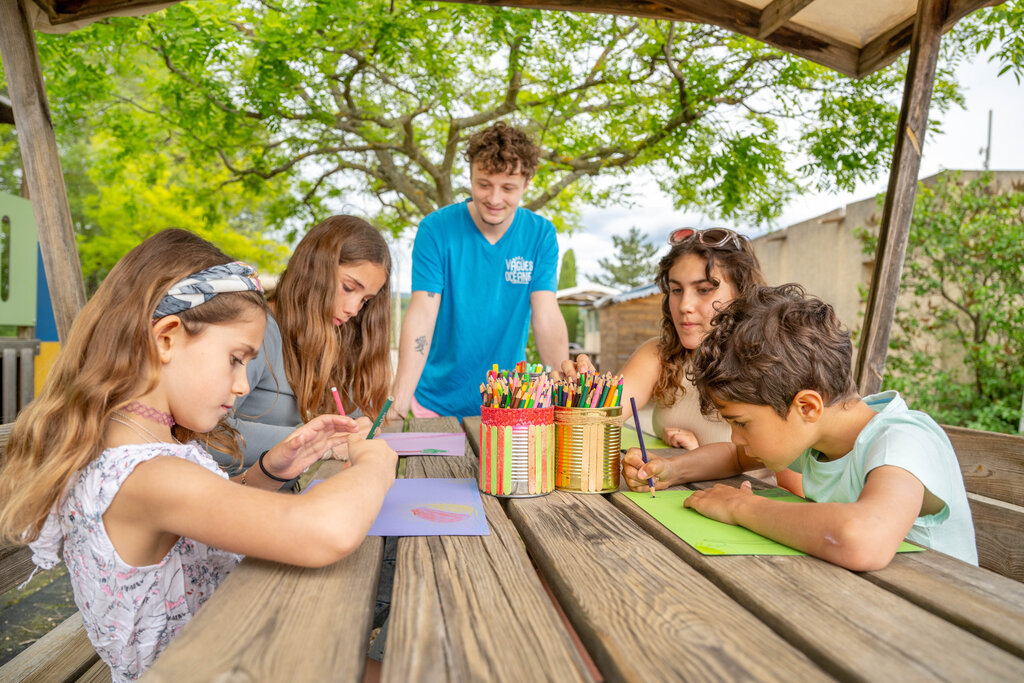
629 440
710 537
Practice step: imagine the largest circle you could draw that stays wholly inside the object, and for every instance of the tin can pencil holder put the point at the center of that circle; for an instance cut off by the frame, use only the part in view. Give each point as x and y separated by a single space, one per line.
517 452
587 447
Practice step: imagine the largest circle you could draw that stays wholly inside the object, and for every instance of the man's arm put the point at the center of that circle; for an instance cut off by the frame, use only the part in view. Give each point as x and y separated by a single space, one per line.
413 347
549 330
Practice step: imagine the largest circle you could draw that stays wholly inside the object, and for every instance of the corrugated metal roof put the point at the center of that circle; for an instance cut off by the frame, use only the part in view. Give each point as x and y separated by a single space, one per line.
635 293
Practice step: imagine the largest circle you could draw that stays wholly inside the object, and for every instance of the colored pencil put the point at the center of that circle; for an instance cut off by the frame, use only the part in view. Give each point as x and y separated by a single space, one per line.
380 416
640 438
337 401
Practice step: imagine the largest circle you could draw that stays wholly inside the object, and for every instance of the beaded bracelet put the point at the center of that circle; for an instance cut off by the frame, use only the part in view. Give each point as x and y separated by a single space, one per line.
268 473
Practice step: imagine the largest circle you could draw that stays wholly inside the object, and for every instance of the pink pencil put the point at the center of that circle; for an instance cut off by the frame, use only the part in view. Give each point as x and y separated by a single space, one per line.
337 401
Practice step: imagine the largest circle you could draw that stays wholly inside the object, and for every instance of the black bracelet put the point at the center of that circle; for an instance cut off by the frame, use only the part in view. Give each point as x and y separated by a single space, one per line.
260 461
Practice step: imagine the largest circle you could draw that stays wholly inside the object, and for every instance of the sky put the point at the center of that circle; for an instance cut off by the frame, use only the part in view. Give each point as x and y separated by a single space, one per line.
960 146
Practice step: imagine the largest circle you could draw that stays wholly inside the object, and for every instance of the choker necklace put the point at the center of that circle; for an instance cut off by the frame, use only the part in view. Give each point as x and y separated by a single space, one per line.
133 425
142 410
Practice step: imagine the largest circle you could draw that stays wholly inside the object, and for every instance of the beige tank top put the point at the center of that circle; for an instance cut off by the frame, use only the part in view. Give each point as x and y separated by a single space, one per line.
685 413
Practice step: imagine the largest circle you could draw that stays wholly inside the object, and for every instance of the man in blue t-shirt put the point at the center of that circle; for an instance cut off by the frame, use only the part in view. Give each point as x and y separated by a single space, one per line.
482 271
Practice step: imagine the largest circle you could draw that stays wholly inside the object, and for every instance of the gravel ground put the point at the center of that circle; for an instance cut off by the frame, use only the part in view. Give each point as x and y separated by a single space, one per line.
29 613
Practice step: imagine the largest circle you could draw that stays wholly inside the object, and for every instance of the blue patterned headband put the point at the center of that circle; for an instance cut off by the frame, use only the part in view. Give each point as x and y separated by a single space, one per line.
200 287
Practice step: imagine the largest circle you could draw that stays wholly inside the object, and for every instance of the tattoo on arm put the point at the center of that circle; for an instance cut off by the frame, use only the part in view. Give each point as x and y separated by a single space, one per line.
421 344
431 295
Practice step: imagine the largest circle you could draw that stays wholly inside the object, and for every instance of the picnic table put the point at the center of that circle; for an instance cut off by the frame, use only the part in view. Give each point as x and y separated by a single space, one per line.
584 587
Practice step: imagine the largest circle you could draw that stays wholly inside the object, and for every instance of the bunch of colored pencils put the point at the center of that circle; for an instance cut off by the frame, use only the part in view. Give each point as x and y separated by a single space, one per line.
589 391
522 388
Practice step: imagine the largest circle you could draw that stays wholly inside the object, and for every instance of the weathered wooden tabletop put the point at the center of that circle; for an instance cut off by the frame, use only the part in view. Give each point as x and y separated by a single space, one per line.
565 583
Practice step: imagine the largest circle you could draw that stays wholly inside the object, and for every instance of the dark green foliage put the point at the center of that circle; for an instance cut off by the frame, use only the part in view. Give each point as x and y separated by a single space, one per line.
957 347
566 279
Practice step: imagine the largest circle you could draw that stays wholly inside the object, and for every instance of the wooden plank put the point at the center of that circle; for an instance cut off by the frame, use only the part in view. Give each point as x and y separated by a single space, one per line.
270 622
5 434
992 464
63 654
988 605
468 608
776 13
999 534
15 566
899 198
9 388
589 552
26 376
641 613
852 628
97 673
39 156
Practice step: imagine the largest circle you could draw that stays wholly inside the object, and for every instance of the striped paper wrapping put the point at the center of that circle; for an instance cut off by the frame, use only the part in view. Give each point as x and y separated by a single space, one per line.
517 451
587 449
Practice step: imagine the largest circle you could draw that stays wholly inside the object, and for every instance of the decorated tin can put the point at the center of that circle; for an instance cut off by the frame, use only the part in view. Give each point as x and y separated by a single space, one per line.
517 452
587 449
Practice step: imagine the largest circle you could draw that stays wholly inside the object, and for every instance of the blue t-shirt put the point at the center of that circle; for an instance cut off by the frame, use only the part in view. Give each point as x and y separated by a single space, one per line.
913 441
485 288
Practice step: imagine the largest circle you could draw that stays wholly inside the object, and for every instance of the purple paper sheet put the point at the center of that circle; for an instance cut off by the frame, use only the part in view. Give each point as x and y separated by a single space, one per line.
426 443
432 507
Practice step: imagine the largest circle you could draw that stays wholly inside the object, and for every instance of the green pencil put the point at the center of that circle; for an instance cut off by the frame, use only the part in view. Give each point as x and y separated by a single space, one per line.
380 416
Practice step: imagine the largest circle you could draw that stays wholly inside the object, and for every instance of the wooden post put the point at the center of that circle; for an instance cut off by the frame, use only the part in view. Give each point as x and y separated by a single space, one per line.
899 199
42 164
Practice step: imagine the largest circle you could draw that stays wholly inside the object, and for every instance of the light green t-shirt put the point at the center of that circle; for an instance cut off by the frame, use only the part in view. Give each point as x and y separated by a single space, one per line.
913 441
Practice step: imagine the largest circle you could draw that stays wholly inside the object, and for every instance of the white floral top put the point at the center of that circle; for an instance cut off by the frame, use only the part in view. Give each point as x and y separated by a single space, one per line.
130 613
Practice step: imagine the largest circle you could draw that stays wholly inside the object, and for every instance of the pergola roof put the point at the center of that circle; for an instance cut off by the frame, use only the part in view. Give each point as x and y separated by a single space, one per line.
853 37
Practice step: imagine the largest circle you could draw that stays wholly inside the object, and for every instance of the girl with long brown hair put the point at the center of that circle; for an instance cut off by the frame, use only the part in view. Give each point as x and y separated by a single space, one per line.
329 326
702 272
108 461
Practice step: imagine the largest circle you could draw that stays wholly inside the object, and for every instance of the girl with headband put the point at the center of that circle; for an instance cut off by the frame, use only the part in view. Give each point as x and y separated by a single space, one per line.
106 467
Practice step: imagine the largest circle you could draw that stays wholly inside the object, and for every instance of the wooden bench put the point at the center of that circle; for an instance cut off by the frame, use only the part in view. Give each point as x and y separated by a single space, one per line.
63 654
993 468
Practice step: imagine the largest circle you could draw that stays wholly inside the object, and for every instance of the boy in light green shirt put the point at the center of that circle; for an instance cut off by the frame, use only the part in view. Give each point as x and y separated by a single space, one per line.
776 366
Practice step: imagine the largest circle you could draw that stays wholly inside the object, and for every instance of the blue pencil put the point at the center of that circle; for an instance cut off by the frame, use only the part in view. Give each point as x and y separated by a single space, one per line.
640 438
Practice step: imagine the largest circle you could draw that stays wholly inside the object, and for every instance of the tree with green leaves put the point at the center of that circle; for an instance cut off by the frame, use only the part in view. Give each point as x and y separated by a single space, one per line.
370 102
275 115
566 279
957 348
634 265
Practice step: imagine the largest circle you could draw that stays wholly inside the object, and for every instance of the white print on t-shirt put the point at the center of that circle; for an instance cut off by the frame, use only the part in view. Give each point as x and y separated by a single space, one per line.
519 270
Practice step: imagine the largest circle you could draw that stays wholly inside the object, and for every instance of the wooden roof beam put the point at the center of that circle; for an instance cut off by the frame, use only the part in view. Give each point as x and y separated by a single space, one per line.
777 13
884 49
899 198
65 11
728 14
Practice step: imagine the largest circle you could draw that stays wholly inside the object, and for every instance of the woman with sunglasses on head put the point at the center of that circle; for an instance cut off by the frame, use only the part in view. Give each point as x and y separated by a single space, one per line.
702 272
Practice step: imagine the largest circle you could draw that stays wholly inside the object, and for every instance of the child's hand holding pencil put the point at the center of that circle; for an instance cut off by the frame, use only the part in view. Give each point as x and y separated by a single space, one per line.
638 475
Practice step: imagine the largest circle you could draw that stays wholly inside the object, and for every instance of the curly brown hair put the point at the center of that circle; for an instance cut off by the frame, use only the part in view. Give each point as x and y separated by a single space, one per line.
317 355
770 344
742 269
501 148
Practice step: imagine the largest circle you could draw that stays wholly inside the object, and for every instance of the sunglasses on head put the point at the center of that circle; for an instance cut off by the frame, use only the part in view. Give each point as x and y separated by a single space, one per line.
711 237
